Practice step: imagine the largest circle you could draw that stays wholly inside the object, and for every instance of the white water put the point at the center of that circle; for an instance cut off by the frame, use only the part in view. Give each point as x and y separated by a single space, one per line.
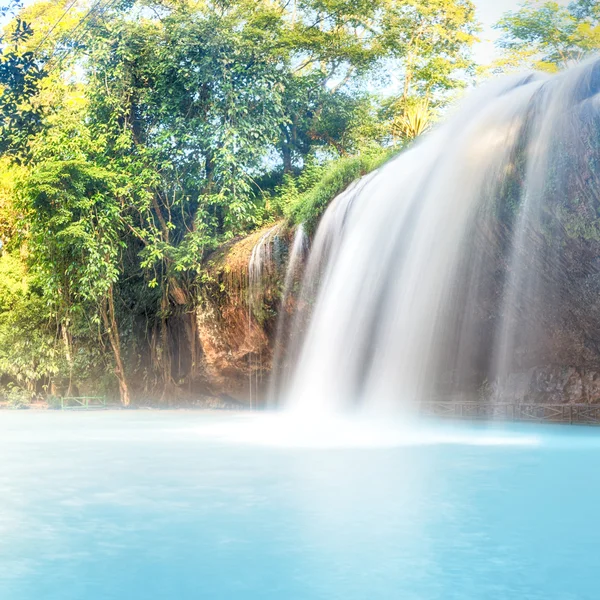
561 112
260 265
284 430
261 260
297 256
396 272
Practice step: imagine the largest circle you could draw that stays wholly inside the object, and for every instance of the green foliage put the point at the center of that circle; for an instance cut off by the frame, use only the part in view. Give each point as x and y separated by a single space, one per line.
16 396
21 74
306 203
28 353
413 121
549 35
74 222
13 282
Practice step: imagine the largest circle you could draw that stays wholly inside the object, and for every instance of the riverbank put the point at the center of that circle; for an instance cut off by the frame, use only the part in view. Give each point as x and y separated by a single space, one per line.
574 414
201 403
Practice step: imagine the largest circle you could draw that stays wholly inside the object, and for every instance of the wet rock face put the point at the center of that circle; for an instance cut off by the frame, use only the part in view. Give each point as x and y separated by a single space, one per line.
552 384
556 357
591 385
236 351
555 385
515 389
566 365
238 312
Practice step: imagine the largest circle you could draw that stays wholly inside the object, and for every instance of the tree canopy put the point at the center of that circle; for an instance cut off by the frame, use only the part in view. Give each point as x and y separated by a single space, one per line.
550 35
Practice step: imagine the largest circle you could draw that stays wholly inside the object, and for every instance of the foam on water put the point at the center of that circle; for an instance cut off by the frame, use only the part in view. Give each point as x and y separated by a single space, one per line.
290 431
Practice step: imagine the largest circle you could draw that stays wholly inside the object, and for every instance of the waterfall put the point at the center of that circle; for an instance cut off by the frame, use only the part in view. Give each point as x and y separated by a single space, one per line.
260 266
279 369
568 105
290 331
403 261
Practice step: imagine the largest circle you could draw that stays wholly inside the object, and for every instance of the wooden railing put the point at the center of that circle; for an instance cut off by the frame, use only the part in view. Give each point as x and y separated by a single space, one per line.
82 402
538 413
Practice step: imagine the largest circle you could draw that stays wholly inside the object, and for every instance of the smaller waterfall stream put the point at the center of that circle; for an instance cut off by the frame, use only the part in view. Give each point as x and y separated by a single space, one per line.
260 261
296 258
260 266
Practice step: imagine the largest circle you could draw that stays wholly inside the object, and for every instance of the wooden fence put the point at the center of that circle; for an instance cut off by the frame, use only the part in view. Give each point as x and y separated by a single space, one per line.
538 413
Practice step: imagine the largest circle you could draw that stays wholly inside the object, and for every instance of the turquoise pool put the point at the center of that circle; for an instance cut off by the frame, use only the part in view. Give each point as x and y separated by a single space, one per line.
189 505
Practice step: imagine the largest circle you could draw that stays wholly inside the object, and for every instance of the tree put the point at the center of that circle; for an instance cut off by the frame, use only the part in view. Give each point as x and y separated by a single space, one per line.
337 47
550 35
74 235
20 76
29 357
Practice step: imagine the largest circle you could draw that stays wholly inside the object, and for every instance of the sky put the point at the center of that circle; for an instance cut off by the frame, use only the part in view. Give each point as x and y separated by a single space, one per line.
490 12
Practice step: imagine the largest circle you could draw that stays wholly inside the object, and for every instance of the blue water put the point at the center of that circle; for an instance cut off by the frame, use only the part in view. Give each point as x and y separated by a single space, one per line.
190 505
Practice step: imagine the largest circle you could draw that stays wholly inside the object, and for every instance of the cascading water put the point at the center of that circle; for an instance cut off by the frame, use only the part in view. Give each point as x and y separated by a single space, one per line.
260 261
260 265
560 132
290 330
404 260
297 256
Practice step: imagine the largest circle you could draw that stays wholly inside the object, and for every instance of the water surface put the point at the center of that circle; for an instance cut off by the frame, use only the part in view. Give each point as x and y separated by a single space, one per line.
189 505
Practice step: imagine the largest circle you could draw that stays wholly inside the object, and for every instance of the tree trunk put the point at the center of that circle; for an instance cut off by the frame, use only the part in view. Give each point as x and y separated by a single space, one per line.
194 346
286 149
112 329
287 159
166 355
69 355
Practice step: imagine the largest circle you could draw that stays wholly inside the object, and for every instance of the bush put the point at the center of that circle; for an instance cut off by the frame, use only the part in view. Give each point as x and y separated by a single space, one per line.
307 206
54 402
16 396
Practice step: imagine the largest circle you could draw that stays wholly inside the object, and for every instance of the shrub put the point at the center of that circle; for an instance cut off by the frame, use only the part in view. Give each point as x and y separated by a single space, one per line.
308 206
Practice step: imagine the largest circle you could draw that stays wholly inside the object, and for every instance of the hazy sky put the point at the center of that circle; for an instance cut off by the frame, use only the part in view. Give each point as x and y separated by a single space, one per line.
490 12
